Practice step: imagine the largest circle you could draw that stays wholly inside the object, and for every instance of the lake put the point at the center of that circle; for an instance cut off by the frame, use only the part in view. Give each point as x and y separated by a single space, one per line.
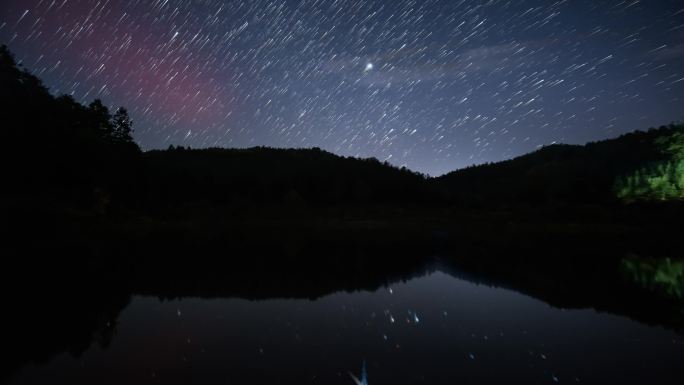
434 328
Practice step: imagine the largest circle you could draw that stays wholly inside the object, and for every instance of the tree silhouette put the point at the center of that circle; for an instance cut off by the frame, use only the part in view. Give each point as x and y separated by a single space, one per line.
122 126
101 118
60 149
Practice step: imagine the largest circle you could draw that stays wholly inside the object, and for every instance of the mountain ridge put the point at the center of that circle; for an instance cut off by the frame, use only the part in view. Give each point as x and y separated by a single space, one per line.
86 156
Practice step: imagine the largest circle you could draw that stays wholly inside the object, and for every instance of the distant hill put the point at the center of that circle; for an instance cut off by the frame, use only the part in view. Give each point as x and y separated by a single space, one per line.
593 173
66 153
268 175
639 165
63 153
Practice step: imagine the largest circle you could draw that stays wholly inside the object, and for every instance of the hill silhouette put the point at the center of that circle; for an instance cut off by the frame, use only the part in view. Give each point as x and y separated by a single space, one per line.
591 173
277 176
63 153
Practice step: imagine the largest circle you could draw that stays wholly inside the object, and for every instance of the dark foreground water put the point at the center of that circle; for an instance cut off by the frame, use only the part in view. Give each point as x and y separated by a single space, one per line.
434 329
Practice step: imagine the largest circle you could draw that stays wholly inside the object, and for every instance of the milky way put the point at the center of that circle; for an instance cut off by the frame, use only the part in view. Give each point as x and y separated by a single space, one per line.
431 85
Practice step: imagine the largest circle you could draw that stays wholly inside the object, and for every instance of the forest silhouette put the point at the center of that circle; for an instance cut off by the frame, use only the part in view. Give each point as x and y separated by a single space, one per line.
75 176
77 182
63 152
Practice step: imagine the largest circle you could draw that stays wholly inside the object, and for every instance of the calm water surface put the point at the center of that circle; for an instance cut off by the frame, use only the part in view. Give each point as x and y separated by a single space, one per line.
435 329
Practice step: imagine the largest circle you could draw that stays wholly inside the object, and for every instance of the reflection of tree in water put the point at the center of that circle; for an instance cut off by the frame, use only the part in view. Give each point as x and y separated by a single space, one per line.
662 275
49 323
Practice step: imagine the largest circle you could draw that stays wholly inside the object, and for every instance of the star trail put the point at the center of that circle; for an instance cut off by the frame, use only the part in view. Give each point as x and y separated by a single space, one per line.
432 85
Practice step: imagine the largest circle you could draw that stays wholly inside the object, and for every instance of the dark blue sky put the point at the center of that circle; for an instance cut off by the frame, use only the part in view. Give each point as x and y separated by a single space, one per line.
431 85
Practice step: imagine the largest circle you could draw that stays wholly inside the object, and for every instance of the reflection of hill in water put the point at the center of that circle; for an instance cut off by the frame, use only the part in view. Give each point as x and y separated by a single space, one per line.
82 307
57 310
567 286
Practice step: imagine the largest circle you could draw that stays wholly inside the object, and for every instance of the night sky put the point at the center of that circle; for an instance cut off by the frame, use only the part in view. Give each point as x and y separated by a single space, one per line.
431 85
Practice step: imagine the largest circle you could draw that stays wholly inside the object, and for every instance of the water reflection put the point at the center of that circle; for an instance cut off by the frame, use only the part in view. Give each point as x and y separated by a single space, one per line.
433 329
663 276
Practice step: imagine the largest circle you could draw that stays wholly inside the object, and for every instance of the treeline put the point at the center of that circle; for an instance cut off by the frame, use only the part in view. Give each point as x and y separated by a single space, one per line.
57 149
593 173
62 152
281 176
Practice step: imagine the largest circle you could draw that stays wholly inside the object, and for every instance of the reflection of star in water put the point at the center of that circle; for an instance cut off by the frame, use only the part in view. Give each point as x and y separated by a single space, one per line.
369 67
364 379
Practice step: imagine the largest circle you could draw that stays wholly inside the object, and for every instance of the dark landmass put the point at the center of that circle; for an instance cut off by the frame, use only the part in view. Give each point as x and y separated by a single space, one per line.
75 178
593 173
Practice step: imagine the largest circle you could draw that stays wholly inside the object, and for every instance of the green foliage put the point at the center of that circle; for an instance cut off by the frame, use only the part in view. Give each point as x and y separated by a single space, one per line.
673 145
658 180
661 275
